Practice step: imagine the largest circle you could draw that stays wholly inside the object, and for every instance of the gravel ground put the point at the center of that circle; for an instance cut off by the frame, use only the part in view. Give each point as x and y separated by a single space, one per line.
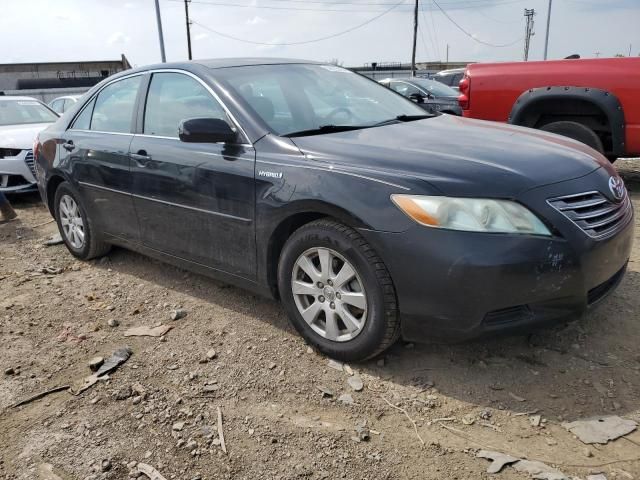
287 412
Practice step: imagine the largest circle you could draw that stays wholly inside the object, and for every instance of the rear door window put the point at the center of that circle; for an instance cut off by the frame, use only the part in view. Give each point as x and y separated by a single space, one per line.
174 97
113 111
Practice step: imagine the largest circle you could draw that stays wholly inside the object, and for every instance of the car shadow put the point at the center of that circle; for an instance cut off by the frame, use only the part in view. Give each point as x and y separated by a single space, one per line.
584 368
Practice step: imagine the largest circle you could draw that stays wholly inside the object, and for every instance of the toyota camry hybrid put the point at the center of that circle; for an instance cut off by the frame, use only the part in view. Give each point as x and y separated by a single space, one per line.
368 218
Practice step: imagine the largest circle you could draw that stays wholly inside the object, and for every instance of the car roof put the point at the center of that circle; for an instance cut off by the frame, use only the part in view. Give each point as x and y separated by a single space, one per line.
66 96
11 97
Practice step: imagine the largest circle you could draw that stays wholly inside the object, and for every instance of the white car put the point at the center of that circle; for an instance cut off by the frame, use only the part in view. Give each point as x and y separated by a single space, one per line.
21 119
62 104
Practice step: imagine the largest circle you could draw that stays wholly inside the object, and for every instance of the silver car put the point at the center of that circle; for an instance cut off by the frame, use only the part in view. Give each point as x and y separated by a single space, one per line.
62 104
21 119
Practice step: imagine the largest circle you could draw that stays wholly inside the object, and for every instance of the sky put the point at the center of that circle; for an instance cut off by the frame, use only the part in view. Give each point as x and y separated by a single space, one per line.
377 30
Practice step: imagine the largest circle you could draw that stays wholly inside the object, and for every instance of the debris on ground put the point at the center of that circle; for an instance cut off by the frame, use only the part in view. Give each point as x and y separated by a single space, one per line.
517 398
362 431
355 382
598 476
158 331
52 270
178 314
326 393
346 399
40 395
335 365
149 471
114 361
113 323
53 240
221 431
535 420
537 470
95 363
600 429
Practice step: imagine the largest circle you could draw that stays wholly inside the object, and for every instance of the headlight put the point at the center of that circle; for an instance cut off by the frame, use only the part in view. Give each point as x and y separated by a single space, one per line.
471 214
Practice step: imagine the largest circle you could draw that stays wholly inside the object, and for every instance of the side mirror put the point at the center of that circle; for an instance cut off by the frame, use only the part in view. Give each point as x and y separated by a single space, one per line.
206 130
416 97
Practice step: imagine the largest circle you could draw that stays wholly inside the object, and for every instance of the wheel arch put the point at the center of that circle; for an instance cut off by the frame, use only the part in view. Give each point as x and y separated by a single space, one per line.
575 103
53 182
300 214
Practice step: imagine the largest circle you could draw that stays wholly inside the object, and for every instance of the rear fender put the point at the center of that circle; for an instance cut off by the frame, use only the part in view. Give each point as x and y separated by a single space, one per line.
536 100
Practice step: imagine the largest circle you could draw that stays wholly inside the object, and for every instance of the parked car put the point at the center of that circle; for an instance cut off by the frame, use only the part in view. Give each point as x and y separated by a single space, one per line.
451 77
370 220
62 104
595 101
21 118
432 96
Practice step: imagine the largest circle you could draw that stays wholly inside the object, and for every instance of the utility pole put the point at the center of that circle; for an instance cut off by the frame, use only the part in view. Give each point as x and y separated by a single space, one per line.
447 53
415 39
528 14
160 37
546 38
186 14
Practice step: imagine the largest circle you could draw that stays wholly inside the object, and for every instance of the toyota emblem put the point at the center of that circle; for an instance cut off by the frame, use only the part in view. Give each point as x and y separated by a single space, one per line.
616 185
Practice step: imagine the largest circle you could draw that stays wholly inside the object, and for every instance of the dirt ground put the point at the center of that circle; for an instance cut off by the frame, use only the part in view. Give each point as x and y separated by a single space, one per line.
160 407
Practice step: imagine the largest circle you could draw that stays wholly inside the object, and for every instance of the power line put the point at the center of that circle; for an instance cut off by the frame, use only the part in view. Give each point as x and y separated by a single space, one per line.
469 34
305 41
435 34
457 6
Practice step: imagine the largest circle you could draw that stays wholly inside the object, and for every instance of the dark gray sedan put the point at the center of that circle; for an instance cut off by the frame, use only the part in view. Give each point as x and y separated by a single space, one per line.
368 217
432 96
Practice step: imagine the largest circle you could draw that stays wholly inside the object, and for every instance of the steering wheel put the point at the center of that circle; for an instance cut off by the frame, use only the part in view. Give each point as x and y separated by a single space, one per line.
337 111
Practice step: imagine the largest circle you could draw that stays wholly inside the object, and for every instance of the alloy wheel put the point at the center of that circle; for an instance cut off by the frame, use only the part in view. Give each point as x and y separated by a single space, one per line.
329 294
71 221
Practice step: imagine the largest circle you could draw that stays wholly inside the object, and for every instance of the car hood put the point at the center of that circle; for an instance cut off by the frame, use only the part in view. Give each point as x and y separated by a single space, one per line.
458 156
20 136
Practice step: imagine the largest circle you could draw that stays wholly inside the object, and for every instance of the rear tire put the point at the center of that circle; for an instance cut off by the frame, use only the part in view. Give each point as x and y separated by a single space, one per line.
366 330
576 131
76 228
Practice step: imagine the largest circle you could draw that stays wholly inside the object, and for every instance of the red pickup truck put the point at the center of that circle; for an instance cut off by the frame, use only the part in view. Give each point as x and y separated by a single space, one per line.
595 101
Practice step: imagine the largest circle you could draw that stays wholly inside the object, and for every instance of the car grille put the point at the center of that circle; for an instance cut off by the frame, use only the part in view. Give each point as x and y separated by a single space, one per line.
594 213
9 152
28 159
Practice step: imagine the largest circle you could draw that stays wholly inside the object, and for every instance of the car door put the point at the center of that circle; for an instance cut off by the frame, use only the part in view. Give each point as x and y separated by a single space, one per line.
194 200
96 147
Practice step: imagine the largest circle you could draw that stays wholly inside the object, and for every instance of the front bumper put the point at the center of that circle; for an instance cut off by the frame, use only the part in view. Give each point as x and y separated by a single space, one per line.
17 173
459 285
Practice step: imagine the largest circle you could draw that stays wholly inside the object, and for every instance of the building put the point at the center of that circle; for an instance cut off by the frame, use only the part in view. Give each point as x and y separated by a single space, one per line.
381 70
46 81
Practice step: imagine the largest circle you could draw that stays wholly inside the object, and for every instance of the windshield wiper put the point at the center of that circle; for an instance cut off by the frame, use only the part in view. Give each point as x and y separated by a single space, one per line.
324 129
402 118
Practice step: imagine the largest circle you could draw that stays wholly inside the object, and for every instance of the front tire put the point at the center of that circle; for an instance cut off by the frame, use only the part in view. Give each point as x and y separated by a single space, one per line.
576 131
337 292
75 226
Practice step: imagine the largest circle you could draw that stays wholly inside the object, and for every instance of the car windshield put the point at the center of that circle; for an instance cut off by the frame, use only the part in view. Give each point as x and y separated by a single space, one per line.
437 89
18 112
298 98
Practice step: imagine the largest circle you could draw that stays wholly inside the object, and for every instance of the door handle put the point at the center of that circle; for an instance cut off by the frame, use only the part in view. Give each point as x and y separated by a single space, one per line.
68 145
141 158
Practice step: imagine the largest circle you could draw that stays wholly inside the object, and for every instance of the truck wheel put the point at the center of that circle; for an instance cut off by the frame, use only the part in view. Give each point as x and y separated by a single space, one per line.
577 131
337 291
